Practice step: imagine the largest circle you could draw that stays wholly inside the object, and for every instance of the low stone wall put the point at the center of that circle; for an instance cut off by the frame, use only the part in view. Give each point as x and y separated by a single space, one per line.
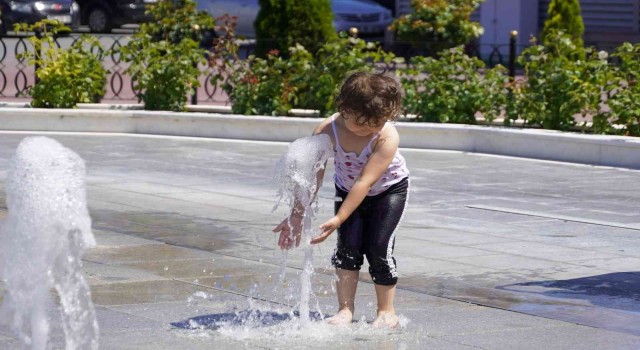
616 151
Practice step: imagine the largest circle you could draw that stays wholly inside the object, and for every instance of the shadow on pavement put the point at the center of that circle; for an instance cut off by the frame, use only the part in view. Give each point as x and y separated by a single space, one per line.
619 290
252 318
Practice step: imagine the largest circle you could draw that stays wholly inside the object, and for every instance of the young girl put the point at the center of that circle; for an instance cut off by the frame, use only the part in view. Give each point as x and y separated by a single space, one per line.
371 179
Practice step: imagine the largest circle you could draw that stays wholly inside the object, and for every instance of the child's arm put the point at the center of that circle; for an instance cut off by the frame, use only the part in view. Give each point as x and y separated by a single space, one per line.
291 227
377 164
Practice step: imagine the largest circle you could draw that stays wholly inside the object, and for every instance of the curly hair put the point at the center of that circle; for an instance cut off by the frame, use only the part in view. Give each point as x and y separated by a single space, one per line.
370 98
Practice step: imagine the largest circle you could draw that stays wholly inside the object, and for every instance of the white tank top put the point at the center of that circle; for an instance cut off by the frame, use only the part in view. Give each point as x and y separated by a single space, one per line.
348 165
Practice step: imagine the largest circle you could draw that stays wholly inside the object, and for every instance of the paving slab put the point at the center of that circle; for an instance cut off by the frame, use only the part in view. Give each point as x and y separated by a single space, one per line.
493 253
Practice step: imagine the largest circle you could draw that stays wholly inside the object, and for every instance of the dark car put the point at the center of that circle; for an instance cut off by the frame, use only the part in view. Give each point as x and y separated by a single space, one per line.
31 11
390 4
103 15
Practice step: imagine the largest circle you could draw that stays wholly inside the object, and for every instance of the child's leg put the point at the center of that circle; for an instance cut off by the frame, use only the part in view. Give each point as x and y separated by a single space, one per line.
346 285
386 314
383 217
347 259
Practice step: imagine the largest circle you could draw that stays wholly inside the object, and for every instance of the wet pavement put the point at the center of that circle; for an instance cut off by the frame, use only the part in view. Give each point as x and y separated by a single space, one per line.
493 253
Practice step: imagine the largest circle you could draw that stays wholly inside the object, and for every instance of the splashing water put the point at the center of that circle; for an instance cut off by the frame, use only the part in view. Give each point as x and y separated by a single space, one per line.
43 237
296 174
263 325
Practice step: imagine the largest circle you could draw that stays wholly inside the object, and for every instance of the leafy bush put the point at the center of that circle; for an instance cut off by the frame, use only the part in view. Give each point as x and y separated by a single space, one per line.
332 63
66 77
164 73
164 55
624 101
597 84
439 24
177 20
555 89
274 86
282 24
451 88
269 86
563 16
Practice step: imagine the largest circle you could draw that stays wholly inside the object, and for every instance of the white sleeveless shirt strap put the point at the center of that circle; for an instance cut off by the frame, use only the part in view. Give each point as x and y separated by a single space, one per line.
335 133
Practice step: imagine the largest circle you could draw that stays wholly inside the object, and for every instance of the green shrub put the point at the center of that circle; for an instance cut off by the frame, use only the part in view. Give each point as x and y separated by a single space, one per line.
164 55
177 20
624 101
164 73
439 24
451 88
269 86
66 77
332 63
282 24
597 84
274 86
555 89
563 16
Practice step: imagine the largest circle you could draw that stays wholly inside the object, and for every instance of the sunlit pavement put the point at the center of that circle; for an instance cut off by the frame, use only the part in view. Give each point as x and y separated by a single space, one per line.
494 252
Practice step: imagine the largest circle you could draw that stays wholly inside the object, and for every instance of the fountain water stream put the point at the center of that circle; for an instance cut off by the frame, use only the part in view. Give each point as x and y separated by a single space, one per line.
296 174
43 238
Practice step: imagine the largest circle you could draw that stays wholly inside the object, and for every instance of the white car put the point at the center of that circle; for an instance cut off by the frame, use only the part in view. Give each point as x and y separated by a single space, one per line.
368 17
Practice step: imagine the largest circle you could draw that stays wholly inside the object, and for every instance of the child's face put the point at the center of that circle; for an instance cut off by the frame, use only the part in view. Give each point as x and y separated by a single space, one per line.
362 129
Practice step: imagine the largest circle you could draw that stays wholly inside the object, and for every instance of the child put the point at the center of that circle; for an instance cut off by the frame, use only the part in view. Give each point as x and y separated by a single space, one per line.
372 180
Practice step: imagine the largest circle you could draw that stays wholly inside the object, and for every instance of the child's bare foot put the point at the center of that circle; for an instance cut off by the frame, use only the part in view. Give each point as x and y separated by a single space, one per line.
344 316
385 319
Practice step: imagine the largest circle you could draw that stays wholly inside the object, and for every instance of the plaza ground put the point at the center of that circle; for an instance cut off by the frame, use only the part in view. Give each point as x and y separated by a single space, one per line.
493 253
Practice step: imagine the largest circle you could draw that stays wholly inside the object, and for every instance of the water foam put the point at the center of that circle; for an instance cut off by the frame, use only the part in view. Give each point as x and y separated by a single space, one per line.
43 238
296 175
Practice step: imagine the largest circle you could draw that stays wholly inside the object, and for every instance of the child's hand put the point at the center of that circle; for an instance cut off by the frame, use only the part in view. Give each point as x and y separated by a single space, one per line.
327 229
289 234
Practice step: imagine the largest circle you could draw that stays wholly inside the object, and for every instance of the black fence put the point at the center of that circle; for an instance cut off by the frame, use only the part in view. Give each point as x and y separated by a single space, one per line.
17 74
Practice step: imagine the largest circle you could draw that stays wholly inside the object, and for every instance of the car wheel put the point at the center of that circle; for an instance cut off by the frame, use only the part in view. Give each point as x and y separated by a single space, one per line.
98 20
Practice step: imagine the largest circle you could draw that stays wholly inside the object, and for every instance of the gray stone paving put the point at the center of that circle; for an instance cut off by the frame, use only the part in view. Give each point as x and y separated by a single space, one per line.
494 252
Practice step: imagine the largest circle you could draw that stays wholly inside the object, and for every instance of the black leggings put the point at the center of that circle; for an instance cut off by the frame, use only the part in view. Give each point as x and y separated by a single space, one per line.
370 231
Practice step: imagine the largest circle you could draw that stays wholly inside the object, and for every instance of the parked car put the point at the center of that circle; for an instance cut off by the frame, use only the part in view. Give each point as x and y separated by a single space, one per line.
390 4
103 15
32 11
370 18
